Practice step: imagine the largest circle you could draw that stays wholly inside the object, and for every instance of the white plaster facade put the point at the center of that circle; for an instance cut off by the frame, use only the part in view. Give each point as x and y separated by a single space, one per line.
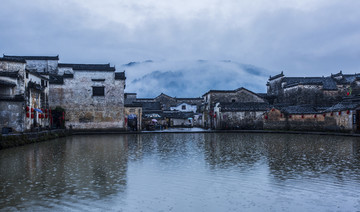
25 91
84 110
184 107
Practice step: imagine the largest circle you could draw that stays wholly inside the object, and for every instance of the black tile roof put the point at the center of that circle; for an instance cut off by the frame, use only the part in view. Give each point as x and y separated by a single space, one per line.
35 86
88 67
17 60
276 76
68 75
243 106
35 73
132 104
230 91
189 99
149 106
11 74
56 79
120 76
4 83
299 109
33 57
343 106
328 83
16 98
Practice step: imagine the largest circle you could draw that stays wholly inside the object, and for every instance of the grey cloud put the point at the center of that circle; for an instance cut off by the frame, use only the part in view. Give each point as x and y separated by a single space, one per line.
301 42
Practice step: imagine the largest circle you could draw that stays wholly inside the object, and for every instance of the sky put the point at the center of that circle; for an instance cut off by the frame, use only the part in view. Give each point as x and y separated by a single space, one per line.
186 47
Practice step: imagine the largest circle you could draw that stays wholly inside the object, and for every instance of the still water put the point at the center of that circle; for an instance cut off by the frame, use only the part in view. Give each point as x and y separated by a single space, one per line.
183 172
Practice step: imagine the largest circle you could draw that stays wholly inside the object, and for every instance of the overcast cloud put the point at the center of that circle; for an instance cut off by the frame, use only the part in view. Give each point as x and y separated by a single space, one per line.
301 38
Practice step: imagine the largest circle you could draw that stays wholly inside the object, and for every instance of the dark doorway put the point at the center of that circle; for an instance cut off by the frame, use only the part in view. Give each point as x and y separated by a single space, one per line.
357 120
132 122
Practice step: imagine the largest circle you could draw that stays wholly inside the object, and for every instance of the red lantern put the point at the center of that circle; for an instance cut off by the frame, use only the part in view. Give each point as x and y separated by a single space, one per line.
347 93
273 109
27 115
27 108
39 116
46 110
266 117
302 116
331 114
339 112
348 111
46 116
280 115
324 114
290 116
32 110
315 116
32 116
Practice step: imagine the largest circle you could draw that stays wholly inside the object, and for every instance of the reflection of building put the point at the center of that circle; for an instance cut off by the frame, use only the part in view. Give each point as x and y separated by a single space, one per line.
24 95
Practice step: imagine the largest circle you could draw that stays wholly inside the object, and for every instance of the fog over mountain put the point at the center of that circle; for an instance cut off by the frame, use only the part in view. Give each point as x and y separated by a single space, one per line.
192 78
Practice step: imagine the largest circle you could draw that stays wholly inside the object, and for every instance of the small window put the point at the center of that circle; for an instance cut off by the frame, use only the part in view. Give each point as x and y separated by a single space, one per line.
42 83
233 100
98 91
183 107
27 75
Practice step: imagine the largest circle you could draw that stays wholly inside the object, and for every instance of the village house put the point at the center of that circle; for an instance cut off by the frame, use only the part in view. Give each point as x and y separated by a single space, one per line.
91 94
239 115
180 118
44 65
223 97
168 111
317 91
133 113
24 96
341 117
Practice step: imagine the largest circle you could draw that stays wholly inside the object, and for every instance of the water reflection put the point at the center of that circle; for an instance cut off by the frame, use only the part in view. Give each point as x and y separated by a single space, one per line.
180 172
82 167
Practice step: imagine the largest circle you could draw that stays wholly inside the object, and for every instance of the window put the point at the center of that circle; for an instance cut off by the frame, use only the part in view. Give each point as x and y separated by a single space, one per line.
183 107
27 75
42 83
98 91
233 100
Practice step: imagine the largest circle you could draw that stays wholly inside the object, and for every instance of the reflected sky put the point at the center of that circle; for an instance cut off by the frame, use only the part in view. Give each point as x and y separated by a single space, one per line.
183 172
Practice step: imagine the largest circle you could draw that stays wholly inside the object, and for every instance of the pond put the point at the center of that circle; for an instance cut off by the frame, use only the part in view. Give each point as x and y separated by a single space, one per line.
183 172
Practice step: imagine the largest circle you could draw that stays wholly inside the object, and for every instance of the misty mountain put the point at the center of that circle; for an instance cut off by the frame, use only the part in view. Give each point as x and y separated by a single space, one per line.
192 78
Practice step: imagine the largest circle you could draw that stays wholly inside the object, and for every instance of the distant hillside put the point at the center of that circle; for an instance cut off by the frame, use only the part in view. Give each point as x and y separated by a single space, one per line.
192 78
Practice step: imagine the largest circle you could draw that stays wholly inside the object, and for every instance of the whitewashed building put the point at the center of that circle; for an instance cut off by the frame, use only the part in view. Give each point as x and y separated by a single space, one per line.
91 94
23 96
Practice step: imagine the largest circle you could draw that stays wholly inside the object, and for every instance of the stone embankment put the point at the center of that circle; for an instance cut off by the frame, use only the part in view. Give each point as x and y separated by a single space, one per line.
19 139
